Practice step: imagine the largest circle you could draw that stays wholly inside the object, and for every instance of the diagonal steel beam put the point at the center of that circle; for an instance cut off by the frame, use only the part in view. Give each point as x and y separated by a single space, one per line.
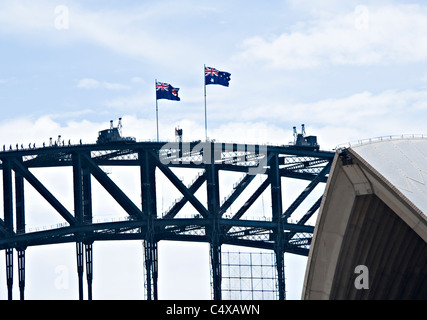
236 192
305 218
112 188
181 187
249 202
180 204
306 191
311 211
255 195
22 170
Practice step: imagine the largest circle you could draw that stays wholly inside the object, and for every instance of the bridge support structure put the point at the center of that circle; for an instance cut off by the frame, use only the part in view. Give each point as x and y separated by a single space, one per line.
214 230
149 208
278 233
213 222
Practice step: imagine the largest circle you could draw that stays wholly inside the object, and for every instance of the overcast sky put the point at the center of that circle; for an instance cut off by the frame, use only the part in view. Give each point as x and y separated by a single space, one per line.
348 70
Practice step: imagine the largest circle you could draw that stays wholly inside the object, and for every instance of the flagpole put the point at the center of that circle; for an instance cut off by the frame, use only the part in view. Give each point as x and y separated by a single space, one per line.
157 113
206 121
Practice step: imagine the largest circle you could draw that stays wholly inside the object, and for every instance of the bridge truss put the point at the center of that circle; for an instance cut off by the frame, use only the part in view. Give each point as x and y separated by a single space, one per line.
210 223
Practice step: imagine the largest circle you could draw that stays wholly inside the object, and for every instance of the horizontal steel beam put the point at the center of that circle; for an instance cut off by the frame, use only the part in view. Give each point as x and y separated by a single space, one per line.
94 229
44 154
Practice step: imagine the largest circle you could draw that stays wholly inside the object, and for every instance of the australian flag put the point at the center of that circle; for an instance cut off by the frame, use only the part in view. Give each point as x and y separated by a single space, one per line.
166 91
213 76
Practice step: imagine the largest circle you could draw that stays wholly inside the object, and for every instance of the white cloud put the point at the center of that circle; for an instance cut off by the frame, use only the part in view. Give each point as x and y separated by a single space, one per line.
137 80
130 102
27 130
114 86
366 115
89 83
334 120
365 36
423 78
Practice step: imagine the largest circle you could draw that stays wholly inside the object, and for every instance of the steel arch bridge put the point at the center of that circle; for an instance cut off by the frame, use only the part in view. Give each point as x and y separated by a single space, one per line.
210 224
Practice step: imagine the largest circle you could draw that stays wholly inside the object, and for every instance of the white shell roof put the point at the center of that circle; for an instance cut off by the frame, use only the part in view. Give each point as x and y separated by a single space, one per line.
403 163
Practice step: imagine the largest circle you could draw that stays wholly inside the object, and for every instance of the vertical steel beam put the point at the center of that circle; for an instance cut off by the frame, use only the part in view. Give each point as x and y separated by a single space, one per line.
83 214
80 267
280 265
149 208
214 230
276 206
20 228
9 272
151 267
215 255
87 195
89 269
78 188
19 203
8 221
276 187
7 195
82 190
87 218
21 273
148 184
212 184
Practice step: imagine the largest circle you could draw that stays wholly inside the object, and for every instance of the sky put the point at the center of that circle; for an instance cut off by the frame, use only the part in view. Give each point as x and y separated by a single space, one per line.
348 70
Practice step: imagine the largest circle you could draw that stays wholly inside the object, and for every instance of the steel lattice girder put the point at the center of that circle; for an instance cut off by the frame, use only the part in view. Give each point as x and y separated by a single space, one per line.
299 163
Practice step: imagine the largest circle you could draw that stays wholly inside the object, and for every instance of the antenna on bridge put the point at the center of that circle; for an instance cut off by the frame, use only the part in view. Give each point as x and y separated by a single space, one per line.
295 134
120 126
178 134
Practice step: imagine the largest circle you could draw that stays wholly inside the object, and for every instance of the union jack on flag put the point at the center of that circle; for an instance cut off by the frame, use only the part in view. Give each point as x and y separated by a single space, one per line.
213 76
162 86
211 72
166 91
